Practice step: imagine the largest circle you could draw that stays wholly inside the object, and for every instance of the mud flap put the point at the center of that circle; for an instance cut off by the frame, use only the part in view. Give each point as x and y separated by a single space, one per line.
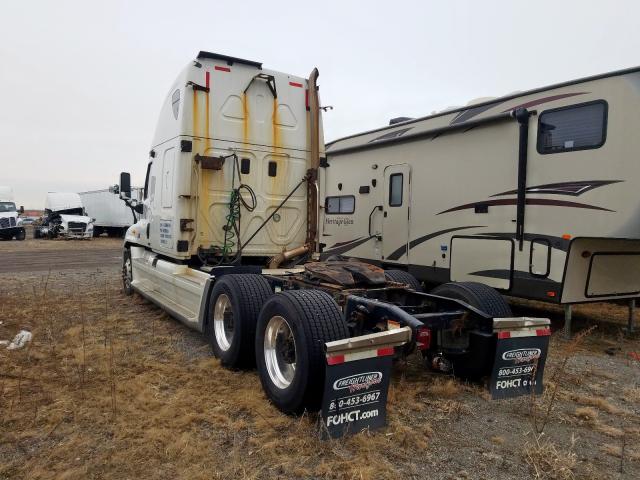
521 352
358 372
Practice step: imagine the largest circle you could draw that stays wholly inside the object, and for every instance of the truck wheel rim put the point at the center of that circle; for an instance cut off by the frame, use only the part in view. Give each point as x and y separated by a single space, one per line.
127 273
280 352
223 323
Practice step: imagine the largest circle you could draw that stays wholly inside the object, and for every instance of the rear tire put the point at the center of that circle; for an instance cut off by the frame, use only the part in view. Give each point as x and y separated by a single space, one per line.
400 276
477 295
234 306
292 330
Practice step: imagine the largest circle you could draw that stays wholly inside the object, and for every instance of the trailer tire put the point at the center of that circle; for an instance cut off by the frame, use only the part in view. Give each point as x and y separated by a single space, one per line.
127 272
477 295
232 338
304 320
400 276
483 298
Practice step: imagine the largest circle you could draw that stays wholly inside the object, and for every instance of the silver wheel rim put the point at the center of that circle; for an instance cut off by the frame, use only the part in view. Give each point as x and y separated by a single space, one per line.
223 322
127 273
280 352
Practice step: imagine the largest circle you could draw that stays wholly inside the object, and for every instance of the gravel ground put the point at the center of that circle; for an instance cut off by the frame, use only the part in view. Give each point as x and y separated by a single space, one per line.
111 387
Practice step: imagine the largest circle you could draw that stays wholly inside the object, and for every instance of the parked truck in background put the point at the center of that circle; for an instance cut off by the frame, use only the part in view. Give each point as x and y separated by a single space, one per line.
64 216
227 243
111 215
10 223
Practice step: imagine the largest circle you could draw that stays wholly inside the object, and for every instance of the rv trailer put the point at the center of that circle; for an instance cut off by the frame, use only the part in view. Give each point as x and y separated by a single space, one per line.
226 243
533 194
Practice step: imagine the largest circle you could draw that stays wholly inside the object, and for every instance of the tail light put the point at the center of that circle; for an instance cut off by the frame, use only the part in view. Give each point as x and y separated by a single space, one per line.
423 338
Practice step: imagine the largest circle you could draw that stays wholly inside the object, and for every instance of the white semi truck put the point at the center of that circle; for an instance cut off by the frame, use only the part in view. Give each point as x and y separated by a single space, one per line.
10 224
111 215
227 243
64 216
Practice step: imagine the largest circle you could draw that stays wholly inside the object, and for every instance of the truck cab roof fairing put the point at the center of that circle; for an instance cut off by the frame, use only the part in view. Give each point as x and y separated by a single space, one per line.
230 60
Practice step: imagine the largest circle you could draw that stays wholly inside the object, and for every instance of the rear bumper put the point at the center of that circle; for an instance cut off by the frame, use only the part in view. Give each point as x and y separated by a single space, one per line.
11 232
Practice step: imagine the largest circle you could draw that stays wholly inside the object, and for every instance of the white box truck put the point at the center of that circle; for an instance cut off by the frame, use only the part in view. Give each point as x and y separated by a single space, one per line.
228 236
111 215
10 224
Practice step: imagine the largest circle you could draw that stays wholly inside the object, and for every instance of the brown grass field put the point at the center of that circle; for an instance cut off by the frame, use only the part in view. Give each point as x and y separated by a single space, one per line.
111 387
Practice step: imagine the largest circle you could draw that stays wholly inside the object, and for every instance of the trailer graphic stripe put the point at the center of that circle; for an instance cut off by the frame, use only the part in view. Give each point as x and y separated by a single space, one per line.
559 243
529 201
396 254
564 188
345 248
542 100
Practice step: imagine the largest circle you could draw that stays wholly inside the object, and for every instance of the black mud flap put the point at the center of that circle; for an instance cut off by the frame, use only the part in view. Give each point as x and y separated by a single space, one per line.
520 357
357 382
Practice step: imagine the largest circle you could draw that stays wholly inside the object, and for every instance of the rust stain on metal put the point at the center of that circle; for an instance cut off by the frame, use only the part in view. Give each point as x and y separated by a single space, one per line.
245 118
274 126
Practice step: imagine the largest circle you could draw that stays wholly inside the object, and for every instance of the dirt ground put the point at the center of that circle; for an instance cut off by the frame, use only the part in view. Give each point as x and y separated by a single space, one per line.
111 387
33 255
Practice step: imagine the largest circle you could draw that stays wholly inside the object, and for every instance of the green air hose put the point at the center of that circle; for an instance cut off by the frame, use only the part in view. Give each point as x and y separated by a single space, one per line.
232 219
232 227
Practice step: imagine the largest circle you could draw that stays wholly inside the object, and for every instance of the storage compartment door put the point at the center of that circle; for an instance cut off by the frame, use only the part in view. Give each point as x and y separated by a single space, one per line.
613 273
484 260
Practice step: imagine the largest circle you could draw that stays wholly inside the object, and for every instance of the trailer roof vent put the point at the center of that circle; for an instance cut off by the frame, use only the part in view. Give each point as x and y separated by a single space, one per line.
393 121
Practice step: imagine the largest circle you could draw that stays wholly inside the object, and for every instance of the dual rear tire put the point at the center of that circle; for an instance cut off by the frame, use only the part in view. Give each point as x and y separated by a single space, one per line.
283 334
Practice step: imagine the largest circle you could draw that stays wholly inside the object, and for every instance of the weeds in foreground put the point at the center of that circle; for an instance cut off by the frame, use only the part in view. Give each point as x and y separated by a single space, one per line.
541 407
547 461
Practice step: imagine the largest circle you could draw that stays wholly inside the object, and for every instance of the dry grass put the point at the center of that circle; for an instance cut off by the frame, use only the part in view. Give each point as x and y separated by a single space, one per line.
587 414
445 388
110 387
600 403
547 461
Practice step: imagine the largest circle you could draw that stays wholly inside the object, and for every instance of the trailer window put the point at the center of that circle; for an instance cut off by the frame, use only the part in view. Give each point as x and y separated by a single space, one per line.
395 190
578 127
341 204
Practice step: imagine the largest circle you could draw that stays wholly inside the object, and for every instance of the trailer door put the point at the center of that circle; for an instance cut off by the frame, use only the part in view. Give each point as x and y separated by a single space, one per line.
395 222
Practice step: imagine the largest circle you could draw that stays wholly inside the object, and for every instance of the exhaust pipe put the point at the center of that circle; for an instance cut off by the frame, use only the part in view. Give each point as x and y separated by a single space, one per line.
312 174
276 261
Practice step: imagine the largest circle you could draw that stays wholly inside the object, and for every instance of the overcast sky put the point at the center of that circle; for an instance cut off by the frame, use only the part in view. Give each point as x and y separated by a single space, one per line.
82 81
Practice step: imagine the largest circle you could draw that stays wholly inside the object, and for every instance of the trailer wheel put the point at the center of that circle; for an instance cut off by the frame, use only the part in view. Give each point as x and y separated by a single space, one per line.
477 295
127 272
400 276
234 306
292 330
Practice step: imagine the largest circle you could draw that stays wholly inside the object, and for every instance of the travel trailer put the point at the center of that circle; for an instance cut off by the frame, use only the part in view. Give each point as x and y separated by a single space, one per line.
533 194
64 216
110 214
10 222
228 232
